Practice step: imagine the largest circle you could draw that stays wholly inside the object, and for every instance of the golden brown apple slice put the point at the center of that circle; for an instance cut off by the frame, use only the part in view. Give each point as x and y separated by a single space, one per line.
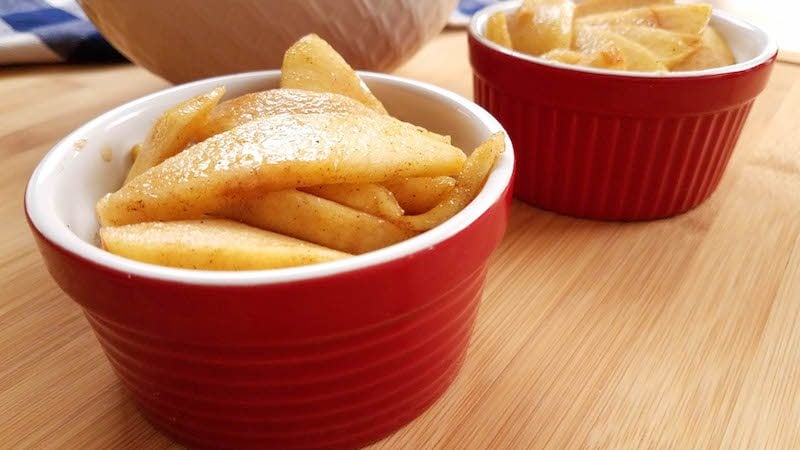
417 195
135 149
712 52
211 244
258 105
468 185
593 40
279 152
542 25
371 198
668 47
312 64
688 18
367 197
589 7
314 219
603 57
497 30
565 56
173 131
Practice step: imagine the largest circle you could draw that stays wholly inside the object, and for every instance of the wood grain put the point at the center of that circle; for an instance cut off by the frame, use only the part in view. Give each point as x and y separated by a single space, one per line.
678 333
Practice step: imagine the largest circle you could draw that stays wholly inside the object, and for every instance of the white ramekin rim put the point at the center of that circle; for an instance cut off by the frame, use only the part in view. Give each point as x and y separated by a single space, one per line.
49 225
770 49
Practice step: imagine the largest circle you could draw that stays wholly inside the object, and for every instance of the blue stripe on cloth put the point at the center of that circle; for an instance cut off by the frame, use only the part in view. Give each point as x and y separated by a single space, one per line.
31 20
59 25
77 41
470 7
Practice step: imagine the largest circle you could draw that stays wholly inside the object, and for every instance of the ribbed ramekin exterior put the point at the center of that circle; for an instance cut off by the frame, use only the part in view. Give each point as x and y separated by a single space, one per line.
613 166
610 146
333 393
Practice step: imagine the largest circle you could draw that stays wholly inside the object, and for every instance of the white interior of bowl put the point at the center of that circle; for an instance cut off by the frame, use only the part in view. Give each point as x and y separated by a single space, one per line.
750 45
71 178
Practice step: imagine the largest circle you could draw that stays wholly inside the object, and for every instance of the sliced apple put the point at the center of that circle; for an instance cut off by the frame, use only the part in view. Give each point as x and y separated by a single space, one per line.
468 185
211 244
497 30
589 7
417 195
312 64
173 131
314 219
564 55
279 152
669 47
603 57
594 40
683 18
712 52
368 197
259 105
541 25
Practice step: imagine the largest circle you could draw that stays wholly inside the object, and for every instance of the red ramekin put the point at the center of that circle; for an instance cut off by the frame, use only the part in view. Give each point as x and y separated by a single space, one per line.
614 145
332 355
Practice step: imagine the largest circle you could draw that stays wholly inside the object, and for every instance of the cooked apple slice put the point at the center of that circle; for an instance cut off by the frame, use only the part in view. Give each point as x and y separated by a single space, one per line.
589 7
173 131
688 18
468 185
211 244
259 105
542 25
371 198
316 220
497 30
594 40
279 152
564 55
135 149
712 39
604 57
368 197
712 52
668 47
417 195
312 64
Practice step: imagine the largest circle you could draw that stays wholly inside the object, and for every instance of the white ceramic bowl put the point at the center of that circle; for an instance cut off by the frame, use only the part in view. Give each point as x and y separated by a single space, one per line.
191 39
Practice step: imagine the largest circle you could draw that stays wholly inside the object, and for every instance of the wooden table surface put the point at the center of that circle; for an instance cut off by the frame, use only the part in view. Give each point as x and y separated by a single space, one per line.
680 333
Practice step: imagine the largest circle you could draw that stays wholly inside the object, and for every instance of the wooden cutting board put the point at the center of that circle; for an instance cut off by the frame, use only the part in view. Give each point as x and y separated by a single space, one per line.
679 333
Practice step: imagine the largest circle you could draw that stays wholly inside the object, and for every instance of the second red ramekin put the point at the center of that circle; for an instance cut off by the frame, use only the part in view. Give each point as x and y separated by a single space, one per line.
615 145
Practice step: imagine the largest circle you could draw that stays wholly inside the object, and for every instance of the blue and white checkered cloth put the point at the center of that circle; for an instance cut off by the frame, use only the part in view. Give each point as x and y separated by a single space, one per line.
47 31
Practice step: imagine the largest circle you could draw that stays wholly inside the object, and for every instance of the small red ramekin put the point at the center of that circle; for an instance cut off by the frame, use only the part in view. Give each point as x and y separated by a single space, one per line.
614 145
331 355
